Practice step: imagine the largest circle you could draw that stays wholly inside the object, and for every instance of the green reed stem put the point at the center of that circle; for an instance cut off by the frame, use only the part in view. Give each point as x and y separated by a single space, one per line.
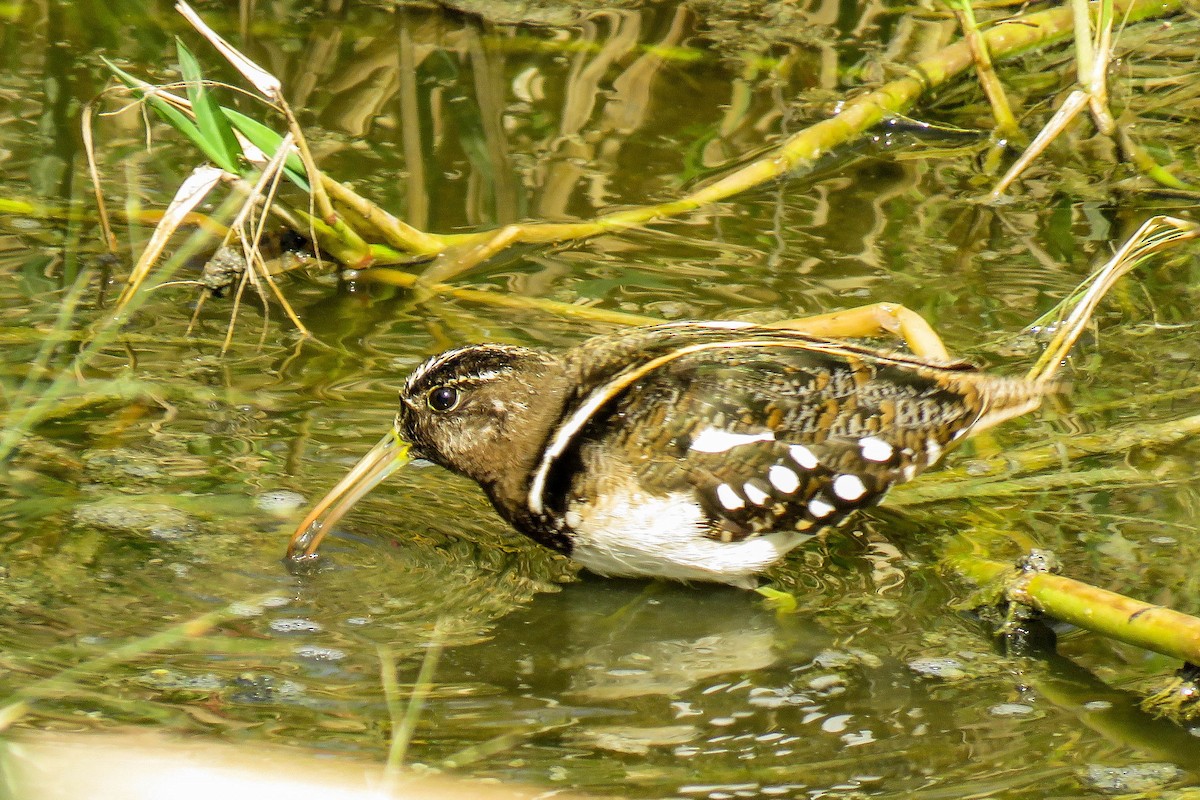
1156 628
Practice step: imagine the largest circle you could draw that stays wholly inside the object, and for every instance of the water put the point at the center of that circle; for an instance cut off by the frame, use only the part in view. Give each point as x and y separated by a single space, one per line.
166 487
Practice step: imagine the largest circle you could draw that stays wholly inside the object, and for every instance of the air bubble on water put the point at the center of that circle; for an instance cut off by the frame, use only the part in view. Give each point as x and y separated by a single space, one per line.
296 625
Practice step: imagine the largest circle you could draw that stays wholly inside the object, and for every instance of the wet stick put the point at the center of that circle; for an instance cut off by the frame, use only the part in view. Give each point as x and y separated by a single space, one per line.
1125 619
1012 463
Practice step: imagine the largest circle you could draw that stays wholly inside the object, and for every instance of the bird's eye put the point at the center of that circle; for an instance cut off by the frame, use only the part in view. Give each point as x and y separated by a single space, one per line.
443 398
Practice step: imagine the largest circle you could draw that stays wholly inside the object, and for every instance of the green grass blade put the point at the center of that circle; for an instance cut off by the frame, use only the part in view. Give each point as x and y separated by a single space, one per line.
268 141
221 144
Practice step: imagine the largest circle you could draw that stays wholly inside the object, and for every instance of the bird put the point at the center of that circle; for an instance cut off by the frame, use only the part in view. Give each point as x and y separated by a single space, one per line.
695 451
706 451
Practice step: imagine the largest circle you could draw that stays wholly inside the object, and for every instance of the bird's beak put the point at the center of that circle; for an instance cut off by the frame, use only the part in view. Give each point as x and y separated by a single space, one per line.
386 457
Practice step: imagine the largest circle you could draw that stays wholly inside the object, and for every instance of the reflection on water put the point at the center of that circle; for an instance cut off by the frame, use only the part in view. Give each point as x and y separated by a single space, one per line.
165 487
617 640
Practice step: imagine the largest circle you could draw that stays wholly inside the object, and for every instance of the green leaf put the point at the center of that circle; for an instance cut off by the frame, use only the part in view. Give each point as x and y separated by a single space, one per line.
169 113
220 143
268 141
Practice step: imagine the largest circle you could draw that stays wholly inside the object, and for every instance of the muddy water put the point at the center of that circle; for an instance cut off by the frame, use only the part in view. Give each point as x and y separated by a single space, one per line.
163 488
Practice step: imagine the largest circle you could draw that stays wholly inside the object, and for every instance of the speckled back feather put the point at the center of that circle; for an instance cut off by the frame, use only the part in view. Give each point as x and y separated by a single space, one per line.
771 429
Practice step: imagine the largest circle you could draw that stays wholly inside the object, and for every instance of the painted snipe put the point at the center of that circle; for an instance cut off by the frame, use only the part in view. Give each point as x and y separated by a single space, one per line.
702 451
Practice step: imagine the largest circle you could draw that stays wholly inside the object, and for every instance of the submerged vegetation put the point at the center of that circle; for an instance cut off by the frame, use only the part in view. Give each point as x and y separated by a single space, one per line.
467 175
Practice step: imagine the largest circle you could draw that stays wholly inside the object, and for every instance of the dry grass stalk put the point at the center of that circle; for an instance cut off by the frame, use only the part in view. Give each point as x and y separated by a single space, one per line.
1155 234
1092 58
250 232
193 190
89 149
1006 122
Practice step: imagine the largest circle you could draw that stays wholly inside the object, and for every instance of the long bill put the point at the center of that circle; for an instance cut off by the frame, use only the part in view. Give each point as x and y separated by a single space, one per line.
384 458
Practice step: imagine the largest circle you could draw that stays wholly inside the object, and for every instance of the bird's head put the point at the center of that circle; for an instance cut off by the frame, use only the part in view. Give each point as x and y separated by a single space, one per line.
482 411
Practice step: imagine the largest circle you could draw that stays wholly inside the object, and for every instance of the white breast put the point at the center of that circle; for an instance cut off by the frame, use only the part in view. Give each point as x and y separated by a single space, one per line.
663 537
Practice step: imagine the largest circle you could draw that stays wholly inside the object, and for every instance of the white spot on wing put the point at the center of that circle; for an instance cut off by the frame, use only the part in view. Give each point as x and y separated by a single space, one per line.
729 498
783 479
875 449
712 440
849 487
571 426
933 450
819 508
754 494
803 456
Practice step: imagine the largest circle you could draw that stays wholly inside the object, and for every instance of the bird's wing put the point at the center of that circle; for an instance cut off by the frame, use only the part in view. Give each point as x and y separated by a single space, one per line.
769 431
781 439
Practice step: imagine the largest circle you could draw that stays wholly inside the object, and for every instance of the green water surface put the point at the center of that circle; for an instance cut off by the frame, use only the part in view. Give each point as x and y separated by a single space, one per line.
165 486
